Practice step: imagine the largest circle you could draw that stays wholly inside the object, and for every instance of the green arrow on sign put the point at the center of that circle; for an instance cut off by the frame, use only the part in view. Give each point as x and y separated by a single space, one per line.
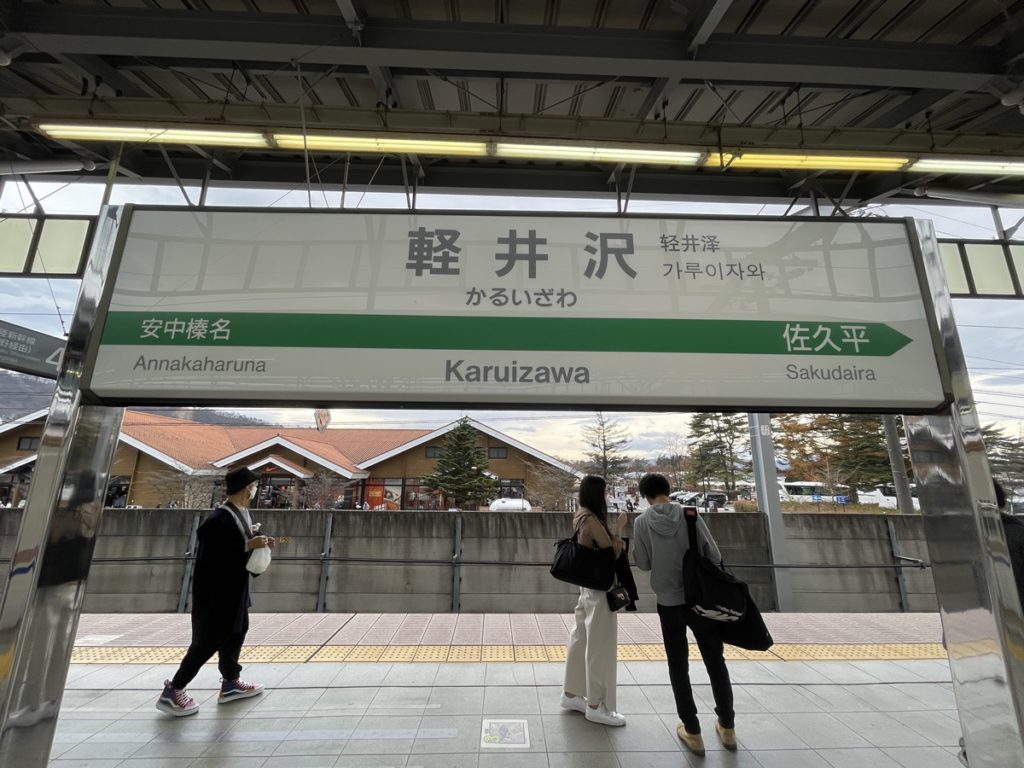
577 334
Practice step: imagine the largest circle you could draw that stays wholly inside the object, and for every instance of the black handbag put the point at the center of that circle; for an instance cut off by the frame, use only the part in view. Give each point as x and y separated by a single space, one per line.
583 566
711 592
618 598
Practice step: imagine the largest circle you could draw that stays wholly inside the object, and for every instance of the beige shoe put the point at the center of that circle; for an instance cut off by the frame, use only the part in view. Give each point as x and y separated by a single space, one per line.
693 741
727 735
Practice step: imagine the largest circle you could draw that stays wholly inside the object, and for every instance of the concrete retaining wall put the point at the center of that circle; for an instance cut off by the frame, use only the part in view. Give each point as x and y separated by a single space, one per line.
497 549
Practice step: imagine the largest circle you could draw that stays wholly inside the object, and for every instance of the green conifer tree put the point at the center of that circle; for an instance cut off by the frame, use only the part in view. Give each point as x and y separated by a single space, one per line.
461 472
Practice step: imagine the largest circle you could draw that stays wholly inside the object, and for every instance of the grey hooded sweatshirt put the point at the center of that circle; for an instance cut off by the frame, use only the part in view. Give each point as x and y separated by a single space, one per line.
660 540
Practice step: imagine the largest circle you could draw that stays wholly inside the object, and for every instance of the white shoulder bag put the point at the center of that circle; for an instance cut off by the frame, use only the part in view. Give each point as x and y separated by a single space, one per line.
259 559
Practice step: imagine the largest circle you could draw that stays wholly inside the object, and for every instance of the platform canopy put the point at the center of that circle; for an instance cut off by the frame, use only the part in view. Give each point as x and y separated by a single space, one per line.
718 99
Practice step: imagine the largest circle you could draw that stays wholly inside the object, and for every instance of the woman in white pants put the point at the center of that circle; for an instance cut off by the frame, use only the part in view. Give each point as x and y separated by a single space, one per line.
590 663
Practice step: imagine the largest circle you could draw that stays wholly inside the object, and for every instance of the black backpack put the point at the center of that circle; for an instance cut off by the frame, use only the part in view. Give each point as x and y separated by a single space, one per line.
711 592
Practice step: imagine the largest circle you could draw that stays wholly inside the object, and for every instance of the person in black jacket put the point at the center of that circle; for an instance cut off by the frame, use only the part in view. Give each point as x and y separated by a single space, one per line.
220 598
1013 529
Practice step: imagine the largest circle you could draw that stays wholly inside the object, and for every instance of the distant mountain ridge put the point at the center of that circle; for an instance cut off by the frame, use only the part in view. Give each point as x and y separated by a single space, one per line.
21 394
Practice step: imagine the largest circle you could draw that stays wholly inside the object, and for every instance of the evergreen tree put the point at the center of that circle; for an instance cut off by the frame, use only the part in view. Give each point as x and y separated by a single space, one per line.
1005 458
721 438
607 441
857 455
460 472
801 441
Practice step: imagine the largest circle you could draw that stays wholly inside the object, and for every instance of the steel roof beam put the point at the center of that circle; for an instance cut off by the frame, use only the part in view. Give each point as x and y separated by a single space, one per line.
705 21
424 46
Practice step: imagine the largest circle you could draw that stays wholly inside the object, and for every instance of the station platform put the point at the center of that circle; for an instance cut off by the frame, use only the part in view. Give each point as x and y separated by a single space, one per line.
481 691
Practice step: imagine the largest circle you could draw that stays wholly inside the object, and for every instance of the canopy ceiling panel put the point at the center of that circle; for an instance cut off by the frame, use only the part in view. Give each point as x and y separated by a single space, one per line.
903 78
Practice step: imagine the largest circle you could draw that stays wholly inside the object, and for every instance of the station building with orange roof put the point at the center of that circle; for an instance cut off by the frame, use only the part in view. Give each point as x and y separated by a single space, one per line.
163 461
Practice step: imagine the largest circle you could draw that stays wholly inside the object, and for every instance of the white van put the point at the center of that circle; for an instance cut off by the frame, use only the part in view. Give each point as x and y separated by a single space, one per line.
885 496
803 491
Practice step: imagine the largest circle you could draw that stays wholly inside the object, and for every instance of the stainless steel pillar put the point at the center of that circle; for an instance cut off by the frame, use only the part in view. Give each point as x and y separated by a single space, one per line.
904 500
978 602
766 480
46 584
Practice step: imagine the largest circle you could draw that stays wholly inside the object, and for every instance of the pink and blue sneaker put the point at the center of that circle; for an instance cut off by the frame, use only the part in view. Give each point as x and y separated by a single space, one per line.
176 702
230 690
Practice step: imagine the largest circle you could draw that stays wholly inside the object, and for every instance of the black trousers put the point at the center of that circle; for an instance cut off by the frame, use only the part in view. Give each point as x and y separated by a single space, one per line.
674 620
206 642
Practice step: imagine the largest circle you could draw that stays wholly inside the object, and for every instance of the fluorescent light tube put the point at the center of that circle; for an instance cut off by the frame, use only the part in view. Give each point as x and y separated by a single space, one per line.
439 146
979 167
598 154
806 162
154 135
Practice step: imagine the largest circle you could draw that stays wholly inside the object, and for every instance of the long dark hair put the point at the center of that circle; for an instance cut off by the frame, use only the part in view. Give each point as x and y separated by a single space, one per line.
592 497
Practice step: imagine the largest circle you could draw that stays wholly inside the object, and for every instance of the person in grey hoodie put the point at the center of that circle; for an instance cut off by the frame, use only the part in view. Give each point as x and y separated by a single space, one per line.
660 540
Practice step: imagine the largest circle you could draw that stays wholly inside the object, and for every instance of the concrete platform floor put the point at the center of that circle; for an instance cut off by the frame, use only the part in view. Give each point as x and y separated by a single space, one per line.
797 713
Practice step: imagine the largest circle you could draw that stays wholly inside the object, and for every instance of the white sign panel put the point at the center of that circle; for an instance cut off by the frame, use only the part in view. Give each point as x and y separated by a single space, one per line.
319 307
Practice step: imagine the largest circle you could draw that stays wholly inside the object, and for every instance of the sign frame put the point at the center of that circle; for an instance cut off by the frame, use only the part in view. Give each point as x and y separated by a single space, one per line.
926 292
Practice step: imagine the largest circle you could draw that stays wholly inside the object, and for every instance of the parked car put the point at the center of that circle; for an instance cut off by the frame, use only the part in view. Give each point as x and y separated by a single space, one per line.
510 505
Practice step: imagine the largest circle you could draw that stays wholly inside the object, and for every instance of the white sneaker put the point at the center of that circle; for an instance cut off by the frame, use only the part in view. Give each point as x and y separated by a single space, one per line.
578 703
600 714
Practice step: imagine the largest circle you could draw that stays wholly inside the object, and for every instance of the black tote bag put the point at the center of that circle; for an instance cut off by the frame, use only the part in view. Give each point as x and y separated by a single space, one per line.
583 566
712 592
750 632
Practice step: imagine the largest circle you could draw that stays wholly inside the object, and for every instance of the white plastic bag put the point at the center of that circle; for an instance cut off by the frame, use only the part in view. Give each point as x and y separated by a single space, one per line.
259 561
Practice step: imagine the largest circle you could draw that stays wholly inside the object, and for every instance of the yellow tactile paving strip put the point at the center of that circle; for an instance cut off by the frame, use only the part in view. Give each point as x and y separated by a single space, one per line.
453 654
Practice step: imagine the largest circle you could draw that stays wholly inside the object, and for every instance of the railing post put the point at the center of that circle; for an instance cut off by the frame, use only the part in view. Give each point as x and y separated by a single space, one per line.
325 553
457 566
189 564
901 582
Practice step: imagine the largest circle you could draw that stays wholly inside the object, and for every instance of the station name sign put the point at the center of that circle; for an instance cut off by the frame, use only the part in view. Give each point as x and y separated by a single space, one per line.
526 309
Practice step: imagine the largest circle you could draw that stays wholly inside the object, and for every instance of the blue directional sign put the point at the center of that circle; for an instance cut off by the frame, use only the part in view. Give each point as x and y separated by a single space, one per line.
842 499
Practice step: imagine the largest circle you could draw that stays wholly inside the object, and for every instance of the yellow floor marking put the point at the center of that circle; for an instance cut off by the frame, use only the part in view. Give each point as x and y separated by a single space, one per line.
366 652
631 652
333 653
531 653
435 653
162 655
115 655
757 655
399 653
653 651
261 653
463 653
497 653
300 653
521 653
555 652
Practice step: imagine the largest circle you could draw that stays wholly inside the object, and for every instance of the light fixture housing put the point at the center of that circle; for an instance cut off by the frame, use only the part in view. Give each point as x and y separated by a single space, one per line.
599 153
968 166
809 162
320 142
211 137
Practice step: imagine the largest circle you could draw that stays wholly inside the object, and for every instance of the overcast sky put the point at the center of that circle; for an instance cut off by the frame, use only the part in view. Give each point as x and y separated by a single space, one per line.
990 330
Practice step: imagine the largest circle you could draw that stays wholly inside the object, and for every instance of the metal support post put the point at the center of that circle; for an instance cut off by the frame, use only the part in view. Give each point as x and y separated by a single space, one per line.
325 552
189 565
897 561
457 566
904 500
974 583
47 578
767 482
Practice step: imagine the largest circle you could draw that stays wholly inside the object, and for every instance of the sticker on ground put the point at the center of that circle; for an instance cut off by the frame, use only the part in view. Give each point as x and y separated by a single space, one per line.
505 734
